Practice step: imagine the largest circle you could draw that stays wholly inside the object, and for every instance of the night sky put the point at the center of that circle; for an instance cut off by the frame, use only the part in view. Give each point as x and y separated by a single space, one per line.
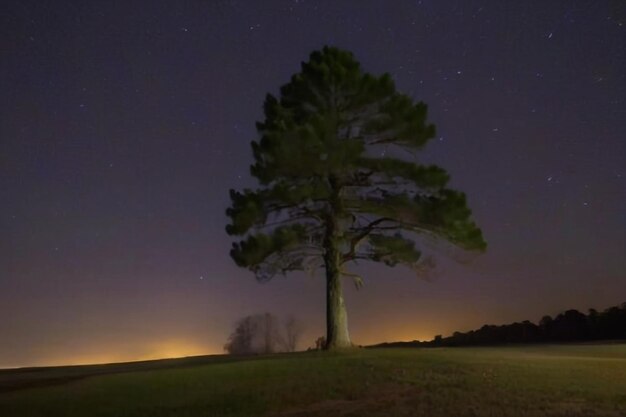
124 124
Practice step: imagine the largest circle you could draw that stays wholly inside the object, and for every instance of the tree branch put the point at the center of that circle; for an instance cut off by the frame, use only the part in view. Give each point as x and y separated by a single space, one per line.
358 280
358 238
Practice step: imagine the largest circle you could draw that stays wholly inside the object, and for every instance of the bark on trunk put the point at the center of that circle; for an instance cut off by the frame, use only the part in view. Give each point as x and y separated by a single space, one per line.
337 336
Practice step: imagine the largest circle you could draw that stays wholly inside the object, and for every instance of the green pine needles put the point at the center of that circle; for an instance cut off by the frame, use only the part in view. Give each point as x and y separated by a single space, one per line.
334 188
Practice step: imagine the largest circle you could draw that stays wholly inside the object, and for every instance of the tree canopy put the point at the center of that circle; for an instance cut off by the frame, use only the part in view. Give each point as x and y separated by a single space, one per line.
335 184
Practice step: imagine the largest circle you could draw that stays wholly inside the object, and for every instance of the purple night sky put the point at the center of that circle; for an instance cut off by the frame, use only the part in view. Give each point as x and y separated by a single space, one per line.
124 124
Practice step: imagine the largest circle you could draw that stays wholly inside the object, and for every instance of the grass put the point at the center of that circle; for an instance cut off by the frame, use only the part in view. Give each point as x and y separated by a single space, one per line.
574 380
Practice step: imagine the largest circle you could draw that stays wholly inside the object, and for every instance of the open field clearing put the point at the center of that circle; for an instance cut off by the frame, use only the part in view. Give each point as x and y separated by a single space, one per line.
573 380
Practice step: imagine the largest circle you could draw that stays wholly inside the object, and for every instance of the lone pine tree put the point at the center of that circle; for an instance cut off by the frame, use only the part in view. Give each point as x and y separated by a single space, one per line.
332 189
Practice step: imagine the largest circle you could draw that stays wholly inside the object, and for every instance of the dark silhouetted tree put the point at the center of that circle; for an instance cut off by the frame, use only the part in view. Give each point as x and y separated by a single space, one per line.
569 326
293 331
545 327
255 334
336 186
241 339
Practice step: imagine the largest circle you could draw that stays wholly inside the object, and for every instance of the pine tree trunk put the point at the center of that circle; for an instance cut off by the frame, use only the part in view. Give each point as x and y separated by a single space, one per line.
337 336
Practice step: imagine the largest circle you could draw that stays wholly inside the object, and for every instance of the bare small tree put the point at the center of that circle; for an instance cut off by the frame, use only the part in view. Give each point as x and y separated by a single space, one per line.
271 334
293 331
255 334
240 342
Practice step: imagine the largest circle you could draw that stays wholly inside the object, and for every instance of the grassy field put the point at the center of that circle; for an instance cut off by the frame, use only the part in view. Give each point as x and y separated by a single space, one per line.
575 380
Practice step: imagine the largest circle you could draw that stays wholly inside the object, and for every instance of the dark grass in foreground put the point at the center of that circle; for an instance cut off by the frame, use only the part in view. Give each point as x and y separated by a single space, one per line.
575 380
22 378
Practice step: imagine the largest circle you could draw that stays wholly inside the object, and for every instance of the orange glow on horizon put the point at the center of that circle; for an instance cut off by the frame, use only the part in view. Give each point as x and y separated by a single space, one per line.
389 329
398 332
169 349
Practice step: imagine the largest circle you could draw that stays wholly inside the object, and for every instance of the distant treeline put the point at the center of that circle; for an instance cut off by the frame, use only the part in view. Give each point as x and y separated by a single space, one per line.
569 326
